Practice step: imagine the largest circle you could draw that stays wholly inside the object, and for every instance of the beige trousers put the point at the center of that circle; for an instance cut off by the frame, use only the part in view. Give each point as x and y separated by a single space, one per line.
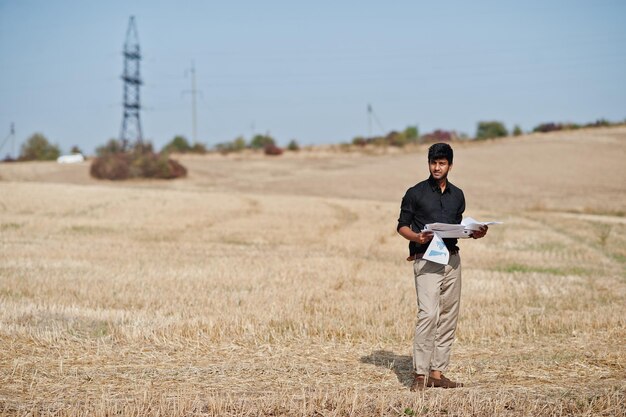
438 295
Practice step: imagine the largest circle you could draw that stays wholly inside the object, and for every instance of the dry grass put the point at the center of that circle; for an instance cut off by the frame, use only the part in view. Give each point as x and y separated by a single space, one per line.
278 286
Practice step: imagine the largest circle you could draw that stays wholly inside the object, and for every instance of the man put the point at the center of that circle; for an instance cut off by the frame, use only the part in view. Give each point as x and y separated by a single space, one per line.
438 287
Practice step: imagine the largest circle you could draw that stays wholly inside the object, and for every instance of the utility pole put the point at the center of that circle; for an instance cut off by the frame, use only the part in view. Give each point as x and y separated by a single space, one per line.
369 120
12 137
13 154
193 103
131 123
372 116
194 93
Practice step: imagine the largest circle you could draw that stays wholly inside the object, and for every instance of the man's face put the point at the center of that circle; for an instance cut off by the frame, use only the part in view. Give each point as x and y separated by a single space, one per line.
439 168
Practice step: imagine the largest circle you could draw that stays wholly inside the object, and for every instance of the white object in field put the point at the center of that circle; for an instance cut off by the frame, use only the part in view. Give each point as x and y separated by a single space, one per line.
70 159
437 251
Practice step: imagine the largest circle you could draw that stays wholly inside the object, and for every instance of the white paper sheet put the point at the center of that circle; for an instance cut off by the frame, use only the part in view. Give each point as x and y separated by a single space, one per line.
471 224
437 251
445 230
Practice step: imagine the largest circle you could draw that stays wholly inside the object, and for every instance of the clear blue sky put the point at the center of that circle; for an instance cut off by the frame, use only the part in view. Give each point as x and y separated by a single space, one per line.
307 70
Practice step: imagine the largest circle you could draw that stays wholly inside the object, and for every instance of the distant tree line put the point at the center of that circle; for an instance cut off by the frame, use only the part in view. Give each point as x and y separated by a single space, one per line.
551 126
393 138
265 143
494 129
259 142
180 145
484 130
38 148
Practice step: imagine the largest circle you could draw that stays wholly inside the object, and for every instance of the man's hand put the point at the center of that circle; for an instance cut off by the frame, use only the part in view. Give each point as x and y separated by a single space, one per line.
421 237
424 237
477 234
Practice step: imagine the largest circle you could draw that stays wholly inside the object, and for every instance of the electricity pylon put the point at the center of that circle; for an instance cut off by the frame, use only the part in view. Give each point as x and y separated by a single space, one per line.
131 123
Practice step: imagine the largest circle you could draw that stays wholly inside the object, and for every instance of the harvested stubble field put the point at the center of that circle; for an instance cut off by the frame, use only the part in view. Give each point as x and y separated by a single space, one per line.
278 286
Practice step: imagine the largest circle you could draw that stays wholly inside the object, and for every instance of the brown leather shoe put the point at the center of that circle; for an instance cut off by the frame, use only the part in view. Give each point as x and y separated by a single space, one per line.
419 383
443 382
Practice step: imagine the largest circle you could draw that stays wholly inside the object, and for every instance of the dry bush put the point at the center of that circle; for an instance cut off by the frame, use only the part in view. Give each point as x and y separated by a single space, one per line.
439 135
272 149
115 166
120 166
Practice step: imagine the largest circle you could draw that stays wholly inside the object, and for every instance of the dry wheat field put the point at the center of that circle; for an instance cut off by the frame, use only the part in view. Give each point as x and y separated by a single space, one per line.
262 286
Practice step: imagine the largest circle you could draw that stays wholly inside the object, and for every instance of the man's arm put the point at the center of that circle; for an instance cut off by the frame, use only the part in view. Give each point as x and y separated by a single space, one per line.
421 237
407 214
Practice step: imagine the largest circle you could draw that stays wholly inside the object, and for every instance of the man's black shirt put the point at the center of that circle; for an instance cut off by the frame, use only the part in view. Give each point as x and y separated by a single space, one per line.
425 203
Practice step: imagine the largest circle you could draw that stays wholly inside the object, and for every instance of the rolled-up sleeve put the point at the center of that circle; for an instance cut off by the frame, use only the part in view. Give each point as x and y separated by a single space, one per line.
406 211
459 215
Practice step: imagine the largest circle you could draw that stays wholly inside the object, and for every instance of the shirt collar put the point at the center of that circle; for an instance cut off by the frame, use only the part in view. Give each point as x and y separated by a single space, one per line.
435 187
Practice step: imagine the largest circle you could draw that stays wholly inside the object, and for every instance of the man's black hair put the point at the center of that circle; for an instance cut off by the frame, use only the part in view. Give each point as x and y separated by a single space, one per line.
440 151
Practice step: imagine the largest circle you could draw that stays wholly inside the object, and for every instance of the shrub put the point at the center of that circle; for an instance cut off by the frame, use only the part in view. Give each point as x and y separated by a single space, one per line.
517 131
140 162
489 130
261 141
548 127
411 133
378 140
113 146
178 144
394 138
272 149
239 144
439 135
359 141
224 148
599 123
293 146
551 127
198 148
112 166
37 148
